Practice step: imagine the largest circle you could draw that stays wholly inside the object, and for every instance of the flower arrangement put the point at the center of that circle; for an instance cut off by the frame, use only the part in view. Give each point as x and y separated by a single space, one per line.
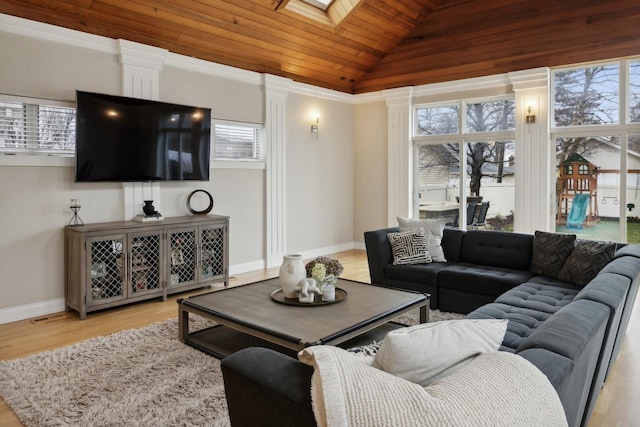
324 270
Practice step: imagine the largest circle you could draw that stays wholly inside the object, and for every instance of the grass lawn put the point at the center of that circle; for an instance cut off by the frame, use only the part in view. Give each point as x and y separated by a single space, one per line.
633 232
605 230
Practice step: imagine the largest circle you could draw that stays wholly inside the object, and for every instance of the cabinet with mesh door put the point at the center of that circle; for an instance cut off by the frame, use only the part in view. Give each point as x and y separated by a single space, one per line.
115 263
198 255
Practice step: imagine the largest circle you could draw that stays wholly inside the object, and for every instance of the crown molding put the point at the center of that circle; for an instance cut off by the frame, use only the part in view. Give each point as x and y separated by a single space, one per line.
39 30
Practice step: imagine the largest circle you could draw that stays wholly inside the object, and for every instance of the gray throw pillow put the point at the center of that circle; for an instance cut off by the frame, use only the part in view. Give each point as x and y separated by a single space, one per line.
550 251
409 247
433 228
585 261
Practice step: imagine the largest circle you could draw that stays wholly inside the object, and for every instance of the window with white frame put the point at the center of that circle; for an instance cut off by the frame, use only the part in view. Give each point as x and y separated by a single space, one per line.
474 151
37 128
596 117
237 141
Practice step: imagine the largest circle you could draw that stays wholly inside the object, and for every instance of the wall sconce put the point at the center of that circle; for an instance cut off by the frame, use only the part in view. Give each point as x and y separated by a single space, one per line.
530 118
314 125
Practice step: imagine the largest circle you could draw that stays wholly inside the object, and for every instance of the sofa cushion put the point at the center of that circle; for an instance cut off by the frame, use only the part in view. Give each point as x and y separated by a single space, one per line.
479 279
627 266
534 296
452 243
609 289
627 250
409 247
423 353
552 281
525 307
431 227
550 251
521 322
426 274
568 330
497 249
587 258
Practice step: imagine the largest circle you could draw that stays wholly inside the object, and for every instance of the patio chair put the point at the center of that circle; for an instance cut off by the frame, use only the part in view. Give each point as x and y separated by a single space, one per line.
482 216
472 208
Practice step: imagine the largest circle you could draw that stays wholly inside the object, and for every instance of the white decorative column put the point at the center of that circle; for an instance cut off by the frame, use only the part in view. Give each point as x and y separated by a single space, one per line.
276 91
140 65
399 153
535 153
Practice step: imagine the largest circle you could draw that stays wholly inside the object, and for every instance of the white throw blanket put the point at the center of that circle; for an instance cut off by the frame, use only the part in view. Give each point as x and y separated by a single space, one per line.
495 389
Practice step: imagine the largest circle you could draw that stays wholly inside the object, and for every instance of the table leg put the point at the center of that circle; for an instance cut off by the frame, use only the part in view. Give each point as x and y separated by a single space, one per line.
424 313
183 323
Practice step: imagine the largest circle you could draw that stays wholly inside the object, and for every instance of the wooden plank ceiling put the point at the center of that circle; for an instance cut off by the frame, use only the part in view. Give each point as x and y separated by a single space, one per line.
360 46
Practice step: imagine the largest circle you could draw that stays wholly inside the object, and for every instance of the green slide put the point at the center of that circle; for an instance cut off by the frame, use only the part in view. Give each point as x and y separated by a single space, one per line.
578 211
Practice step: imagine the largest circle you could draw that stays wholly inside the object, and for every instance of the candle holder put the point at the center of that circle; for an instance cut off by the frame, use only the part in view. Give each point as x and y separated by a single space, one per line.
75 207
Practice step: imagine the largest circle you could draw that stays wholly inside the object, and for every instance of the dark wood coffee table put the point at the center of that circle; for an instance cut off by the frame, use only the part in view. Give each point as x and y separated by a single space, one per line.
247 316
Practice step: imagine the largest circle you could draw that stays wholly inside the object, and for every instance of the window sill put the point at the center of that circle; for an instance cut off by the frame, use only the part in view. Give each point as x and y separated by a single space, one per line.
35 160
68 161
236 164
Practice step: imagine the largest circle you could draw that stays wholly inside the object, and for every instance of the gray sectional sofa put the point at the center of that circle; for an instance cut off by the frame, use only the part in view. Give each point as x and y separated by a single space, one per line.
570 331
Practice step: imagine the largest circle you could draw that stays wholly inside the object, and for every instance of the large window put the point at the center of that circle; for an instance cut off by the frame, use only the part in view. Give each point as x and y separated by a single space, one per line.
597 150
587 96
37 128
466 177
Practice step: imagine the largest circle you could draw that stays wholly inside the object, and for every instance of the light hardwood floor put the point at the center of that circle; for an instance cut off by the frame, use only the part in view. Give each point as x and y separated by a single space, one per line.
617 405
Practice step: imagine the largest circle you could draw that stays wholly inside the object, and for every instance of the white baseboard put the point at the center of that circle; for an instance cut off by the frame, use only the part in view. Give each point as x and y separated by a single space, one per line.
246 267
27 311
359 246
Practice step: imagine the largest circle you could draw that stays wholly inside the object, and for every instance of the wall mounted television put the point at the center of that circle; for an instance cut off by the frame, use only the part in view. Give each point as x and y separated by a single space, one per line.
122 139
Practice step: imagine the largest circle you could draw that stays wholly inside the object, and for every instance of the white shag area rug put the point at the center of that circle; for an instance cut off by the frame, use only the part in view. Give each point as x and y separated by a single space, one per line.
137 377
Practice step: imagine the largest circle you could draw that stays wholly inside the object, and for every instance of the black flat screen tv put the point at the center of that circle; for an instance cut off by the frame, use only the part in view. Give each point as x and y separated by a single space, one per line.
123 139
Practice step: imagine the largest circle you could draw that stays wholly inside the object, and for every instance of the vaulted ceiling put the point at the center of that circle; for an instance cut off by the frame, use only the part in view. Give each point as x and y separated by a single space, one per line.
360 46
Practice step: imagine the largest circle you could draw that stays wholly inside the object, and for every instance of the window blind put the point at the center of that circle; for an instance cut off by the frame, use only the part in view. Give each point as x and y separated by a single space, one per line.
237 142
37 128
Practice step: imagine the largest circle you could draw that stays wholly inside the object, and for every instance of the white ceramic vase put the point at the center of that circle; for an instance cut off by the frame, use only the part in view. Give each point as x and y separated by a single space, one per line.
292 272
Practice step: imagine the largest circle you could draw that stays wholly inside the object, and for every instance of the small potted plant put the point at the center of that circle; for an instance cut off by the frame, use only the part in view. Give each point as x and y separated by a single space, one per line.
325 272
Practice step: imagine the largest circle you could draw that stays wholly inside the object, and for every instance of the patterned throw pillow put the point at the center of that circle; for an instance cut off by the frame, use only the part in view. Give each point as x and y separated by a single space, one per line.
550 251
585 261
409 247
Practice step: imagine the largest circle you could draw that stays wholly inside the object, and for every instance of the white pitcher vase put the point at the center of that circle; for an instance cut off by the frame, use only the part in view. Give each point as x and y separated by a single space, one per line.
292 272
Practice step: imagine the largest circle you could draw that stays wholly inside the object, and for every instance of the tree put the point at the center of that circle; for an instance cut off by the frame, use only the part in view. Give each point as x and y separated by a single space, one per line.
480 117
585 96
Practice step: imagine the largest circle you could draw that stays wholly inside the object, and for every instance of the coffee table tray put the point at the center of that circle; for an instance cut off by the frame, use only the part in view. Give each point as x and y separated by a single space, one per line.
278 296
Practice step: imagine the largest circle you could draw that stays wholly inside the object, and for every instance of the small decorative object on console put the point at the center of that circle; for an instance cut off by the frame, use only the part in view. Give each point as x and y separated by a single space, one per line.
150 213
148 208
194 205
75 207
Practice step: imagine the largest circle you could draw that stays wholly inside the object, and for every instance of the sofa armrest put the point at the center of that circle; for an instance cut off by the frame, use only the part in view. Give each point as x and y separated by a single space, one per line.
267 388
378 252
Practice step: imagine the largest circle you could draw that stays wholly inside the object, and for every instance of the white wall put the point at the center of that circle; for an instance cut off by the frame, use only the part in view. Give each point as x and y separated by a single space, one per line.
370 168
319 177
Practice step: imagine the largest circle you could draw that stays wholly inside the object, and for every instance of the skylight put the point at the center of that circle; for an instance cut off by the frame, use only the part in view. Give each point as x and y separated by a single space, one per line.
327 12
320 4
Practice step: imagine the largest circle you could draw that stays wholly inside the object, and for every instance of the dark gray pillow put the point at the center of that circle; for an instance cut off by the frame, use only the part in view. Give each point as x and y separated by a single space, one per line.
550 251
586 260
